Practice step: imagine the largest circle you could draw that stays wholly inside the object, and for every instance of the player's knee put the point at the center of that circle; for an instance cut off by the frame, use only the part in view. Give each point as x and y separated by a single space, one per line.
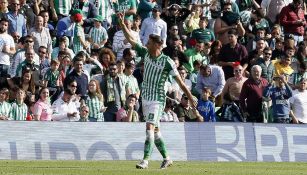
150 135
158 135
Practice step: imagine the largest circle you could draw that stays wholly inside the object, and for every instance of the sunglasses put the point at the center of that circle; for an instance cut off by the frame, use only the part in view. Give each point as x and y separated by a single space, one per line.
73 86
28 41
85 111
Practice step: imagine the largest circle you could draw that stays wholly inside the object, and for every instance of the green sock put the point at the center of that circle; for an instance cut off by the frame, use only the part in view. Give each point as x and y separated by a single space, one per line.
149 142
160 144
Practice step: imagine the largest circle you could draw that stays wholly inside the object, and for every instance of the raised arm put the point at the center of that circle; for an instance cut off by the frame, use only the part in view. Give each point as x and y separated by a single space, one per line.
125 30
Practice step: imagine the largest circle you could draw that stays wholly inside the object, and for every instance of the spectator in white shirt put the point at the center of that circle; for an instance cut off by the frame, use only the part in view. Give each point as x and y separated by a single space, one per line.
8 47
64 109
154 25
119 41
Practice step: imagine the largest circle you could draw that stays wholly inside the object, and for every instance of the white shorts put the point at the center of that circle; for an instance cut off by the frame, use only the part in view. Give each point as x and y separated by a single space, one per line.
152 111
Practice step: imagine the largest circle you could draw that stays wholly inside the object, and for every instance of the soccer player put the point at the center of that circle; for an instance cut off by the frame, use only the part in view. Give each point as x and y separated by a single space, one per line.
157 68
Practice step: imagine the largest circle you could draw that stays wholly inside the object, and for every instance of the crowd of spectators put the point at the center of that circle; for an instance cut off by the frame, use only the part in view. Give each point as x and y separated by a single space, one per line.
68 60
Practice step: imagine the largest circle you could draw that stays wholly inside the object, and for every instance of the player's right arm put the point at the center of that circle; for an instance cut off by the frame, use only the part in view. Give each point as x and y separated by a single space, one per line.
125 30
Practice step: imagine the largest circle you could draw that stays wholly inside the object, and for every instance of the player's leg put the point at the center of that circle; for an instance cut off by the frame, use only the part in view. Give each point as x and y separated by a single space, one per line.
159 141
149 113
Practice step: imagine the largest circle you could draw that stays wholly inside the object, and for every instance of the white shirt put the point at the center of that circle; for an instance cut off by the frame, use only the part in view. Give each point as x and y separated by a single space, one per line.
61 108
6 40
118 42
152 26
298 103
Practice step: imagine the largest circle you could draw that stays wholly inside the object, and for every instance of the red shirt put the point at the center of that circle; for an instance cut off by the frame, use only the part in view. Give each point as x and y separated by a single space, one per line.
252 93
288 18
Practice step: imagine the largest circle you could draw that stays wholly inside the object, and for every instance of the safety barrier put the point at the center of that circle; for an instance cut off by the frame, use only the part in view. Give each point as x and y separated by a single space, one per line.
124 141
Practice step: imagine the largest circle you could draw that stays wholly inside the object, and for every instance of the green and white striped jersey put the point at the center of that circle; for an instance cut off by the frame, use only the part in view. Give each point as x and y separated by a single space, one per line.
98 34
5 108
78 31
104 8
94 105
62 6
18 112
156 72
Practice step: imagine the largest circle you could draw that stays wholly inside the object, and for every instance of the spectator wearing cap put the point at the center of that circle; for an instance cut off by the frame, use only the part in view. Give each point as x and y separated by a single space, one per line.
105 10
229 21
211 76
15 17
279 93
154 25
175 14
119 41
98 34
251 95
79 43
293 20
88 11
231 53
66 25
203 33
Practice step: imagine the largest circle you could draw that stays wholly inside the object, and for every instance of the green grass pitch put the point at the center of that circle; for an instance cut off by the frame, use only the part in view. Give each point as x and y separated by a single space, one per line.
128 168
